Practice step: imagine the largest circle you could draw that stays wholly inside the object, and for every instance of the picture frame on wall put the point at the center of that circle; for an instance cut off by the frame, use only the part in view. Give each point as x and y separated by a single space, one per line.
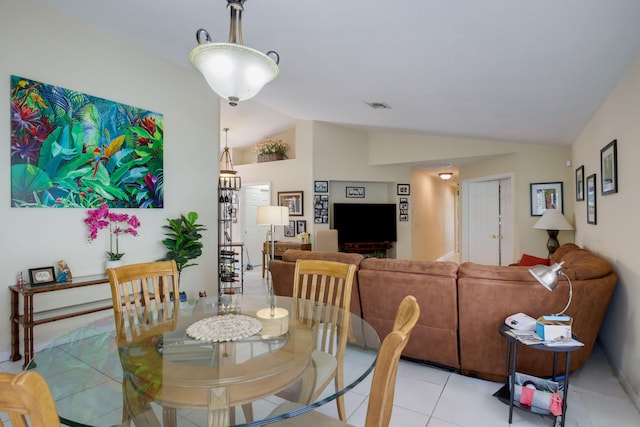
321 209
293 200
609 168
592 217
355 192
546 195
290 230
301 226
321 186
580 184
42 276
403 189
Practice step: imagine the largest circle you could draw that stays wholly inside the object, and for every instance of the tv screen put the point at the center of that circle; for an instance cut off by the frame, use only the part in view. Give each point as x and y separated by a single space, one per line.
365 222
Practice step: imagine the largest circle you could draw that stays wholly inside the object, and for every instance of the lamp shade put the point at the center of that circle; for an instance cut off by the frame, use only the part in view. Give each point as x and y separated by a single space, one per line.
547 276
272 215
553 219
234 71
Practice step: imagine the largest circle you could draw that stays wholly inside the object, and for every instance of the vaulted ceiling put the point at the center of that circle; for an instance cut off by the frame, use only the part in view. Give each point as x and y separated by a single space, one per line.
513 70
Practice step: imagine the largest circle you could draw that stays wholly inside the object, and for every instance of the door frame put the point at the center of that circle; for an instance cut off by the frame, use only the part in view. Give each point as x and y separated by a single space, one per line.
507 219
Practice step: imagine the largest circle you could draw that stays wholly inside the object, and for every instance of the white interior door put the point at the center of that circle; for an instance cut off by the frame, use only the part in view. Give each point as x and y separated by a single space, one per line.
487 223
254 235
484 222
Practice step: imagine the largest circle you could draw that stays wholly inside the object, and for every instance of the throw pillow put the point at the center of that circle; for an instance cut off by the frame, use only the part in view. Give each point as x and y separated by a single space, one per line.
530 260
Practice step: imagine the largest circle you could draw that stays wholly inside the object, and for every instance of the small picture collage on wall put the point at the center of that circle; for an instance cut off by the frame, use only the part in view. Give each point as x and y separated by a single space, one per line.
321 202
404 209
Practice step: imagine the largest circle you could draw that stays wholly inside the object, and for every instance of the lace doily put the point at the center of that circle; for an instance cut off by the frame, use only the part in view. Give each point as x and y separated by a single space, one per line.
230 327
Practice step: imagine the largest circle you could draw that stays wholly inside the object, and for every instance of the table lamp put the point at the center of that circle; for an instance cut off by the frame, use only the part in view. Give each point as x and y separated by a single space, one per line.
548 277
553 220
272 216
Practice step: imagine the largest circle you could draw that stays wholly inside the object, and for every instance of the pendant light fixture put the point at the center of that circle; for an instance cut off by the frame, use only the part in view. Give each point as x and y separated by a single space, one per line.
228 179
234 71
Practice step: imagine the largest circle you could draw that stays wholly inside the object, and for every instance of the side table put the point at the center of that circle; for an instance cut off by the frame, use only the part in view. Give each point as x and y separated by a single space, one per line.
506 393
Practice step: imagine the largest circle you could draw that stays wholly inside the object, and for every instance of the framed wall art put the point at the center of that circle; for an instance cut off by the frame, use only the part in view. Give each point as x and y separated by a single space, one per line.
545 195
355 192
42 276
321 209
293 200
404 189
74 150
592 217
609 168
580 184
321 186
290 230
301 226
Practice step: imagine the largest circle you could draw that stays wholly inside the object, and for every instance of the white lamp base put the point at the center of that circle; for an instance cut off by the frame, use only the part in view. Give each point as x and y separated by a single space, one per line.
276 325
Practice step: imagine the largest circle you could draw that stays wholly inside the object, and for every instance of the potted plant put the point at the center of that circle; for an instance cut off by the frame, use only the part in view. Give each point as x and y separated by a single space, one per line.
118 224
271 150
182 240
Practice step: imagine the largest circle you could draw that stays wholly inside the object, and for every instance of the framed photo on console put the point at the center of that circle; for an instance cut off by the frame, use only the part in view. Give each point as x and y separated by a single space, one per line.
42 276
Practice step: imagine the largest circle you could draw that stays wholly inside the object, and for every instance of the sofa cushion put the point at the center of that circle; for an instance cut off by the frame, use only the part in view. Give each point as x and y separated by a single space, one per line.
383 284
530 260
292 255
448 269
582 264
282 272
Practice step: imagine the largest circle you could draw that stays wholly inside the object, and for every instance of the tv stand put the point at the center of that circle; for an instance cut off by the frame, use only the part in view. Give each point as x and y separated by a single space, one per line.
365 247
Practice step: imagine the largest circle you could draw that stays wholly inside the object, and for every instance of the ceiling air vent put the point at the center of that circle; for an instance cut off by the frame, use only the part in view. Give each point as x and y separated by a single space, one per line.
378 105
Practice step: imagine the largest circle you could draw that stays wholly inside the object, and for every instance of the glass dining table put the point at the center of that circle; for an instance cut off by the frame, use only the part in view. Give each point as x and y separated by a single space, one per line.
150 370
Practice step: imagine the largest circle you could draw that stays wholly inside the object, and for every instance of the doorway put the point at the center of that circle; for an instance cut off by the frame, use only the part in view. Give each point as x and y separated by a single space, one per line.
487 226
254 195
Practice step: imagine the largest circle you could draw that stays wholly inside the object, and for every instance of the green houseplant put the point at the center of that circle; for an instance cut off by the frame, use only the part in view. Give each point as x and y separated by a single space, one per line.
183 240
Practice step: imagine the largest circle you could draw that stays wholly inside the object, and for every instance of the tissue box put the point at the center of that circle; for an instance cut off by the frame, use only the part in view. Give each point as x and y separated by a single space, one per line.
552 328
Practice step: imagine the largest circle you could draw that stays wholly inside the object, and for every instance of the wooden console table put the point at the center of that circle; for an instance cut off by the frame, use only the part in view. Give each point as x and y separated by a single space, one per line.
279 248
31 318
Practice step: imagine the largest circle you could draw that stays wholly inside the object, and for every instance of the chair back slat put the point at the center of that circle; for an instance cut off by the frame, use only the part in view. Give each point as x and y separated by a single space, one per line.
27 396
141 298
322 297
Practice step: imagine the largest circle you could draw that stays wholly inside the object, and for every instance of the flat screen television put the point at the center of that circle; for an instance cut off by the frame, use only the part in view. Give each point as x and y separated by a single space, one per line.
365 222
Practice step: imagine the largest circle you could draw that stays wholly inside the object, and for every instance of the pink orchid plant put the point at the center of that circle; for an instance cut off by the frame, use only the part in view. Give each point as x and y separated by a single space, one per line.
117 223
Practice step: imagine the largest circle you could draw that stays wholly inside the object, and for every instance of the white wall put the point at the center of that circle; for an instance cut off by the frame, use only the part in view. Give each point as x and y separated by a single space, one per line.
617 233
40 44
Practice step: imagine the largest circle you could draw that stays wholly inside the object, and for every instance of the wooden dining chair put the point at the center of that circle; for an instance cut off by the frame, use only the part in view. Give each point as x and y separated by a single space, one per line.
143 310
321 300
147 285
27 399
383 383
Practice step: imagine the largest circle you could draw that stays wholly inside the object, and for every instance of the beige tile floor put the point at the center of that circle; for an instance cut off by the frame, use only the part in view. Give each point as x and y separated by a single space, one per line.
432 397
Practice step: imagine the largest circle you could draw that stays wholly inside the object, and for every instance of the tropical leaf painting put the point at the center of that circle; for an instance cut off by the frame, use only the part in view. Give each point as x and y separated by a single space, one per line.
72 150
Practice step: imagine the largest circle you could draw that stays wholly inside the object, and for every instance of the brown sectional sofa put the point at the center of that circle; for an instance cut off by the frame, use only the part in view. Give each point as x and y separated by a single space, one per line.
463 305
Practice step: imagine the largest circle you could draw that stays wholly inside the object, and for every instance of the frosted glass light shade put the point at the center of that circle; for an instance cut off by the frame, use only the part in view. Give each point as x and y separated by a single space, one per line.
234 71
272 215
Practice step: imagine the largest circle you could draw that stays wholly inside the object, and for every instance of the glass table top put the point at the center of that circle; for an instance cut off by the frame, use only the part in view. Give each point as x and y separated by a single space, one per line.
142 365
